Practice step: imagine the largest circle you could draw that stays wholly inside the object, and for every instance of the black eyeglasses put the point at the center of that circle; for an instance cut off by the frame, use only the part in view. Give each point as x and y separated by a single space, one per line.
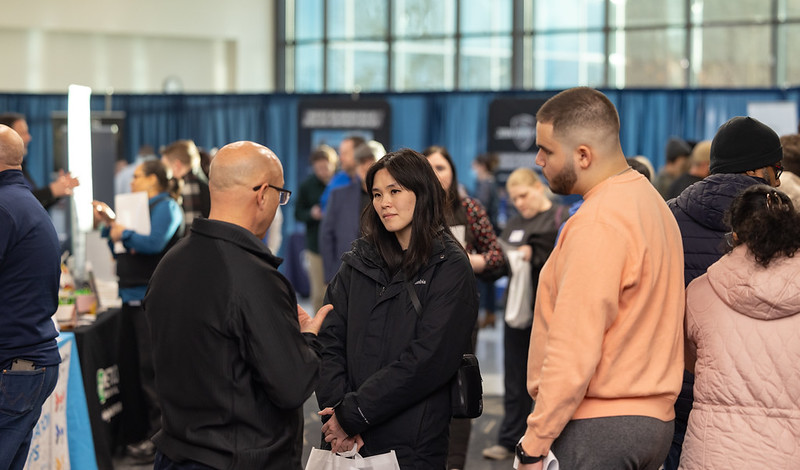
283 194
778 169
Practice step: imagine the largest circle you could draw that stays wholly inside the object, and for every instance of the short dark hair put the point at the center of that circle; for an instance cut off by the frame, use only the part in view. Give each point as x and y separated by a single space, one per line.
9 119
791 153
453 199
765 220
580 107
356 140
488 160
185 151
323 153
413 172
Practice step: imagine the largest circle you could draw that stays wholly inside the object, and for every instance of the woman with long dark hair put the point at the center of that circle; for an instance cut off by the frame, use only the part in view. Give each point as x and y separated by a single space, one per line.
742 328
471 225
404 303
134 268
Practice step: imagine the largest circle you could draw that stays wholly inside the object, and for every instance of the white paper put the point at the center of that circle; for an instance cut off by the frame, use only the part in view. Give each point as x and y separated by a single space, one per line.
133 213
460 232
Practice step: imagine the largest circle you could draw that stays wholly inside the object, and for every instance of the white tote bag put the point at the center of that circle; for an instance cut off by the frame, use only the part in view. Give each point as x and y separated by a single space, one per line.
327 460
519 310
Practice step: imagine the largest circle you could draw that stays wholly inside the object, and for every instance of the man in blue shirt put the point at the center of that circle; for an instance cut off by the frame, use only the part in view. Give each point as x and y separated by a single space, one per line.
347 174
29 275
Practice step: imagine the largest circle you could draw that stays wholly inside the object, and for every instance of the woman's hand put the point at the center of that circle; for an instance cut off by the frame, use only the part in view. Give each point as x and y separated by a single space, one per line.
527 252
335 435
116 232
102 213
478 262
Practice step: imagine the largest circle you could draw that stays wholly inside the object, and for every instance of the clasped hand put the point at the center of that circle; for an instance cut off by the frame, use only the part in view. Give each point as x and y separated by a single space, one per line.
335 435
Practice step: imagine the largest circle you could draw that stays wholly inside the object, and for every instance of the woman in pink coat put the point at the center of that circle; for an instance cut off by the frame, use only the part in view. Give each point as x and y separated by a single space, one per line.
743 342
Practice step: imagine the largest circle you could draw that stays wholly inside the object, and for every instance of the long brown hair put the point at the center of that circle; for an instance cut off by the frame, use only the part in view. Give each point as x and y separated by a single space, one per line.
453 199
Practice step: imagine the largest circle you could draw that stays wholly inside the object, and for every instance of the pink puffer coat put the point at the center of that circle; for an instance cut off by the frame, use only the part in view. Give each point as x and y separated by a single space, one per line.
745 324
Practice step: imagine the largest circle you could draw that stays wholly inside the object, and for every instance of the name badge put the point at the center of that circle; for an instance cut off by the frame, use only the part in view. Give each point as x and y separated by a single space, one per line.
516 236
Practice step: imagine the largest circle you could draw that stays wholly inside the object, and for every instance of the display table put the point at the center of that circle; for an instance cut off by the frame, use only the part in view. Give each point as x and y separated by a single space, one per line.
108 359
62 437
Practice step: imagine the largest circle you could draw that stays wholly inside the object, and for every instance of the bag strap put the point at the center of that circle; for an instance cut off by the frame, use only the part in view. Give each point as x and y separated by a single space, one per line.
412 293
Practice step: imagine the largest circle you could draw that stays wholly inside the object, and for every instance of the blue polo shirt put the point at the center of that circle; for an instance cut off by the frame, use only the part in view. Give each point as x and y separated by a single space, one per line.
30 270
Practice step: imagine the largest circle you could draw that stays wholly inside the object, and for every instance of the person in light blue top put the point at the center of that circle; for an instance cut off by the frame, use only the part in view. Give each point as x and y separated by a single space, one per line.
136 265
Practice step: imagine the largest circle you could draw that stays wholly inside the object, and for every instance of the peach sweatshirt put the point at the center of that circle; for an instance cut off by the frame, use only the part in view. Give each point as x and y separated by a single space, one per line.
608 322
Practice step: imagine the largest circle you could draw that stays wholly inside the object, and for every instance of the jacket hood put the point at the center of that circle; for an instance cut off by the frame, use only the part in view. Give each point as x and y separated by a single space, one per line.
706 201
752 290
364 257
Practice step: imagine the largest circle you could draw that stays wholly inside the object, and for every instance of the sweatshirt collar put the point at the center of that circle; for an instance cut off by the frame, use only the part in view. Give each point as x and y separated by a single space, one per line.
237 235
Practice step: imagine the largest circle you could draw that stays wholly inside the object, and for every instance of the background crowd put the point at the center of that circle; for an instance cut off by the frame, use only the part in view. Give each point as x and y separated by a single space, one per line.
651 323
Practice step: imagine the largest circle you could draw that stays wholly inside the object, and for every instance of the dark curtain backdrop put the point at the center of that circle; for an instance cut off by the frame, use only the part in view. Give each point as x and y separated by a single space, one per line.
455 120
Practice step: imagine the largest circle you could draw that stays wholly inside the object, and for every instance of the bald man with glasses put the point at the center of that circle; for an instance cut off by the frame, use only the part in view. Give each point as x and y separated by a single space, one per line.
235 356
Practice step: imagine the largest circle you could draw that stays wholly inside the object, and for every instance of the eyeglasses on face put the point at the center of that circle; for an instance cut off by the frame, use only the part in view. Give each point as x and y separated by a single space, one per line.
283 194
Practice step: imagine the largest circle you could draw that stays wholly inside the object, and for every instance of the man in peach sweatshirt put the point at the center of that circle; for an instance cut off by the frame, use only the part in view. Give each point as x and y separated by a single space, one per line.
606 357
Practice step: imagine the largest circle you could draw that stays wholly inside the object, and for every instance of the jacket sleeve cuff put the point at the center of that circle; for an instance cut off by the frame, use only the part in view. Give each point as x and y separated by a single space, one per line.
312 342
350 416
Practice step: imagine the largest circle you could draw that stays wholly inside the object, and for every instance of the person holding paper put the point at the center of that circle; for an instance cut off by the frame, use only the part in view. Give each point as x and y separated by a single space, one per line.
135 266
606 357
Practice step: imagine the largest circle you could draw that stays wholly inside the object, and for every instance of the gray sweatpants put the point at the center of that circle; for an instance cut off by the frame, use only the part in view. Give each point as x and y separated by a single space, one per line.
614 443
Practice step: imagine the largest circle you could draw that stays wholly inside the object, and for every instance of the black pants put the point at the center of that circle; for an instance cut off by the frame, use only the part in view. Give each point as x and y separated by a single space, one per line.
164 463
683 406
517 403
144 347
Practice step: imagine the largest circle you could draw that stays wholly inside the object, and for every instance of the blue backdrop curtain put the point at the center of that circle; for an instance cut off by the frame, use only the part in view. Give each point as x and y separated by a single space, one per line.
455 120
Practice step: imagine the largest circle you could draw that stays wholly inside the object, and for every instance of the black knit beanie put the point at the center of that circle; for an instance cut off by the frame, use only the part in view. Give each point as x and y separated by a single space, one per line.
743 144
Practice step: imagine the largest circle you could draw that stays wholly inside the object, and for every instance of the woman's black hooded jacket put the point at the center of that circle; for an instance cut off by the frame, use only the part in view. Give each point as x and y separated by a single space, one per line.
386 369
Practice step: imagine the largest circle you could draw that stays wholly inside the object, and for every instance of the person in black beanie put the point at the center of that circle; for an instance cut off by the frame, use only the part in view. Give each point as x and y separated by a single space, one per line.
744 152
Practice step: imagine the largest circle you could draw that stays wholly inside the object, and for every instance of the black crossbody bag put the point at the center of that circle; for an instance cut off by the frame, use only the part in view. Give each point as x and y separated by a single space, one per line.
466 389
